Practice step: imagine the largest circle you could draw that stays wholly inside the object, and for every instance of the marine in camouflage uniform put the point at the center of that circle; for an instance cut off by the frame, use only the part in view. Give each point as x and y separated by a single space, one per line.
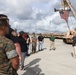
7 52
34 43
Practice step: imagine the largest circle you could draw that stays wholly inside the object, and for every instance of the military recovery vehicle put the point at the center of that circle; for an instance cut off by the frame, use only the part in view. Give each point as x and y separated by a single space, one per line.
67 38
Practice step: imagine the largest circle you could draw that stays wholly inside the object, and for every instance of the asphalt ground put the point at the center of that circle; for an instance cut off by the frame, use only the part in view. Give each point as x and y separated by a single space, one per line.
51 62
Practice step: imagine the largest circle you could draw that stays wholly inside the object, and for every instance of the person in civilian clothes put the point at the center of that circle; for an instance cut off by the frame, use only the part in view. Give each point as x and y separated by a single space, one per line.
23 45
40 41
52 42
27 39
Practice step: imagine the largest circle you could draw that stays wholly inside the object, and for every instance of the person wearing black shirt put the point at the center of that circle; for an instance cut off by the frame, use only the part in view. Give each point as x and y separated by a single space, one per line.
23 45
40 40
27 39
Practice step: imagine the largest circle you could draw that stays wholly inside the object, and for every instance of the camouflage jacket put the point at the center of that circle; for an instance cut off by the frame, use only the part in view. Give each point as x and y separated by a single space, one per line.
7 51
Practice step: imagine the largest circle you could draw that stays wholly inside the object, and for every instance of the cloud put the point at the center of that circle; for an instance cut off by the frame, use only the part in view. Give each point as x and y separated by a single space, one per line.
35 15
57 19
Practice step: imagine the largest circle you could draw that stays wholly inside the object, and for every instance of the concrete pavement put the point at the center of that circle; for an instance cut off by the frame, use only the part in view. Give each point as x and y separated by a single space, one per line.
46 62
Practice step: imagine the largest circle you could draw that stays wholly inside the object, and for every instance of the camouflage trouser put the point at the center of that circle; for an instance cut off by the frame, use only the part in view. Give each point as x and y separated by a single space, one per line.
9 74
15 73
34 47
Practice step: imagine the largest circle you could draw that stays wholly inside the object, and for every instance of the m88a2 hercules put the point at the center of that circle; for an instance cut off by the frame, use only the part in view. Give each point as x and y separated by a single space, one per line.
68 36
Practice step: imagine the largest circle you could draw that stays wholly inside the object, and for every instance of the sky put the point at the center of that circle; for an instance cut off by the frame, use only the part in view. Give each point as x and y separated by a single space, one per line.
36 15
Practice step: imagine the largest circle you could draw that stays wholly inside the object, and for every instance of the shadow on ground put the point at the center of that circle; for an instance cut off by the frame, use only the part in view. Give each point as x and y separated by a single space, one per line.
33 68
41 50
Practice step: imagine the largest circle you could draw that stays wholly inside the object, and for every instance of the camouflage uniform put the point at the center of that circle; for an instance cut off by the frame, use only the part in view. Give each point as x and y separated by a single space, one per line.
34 43
7 51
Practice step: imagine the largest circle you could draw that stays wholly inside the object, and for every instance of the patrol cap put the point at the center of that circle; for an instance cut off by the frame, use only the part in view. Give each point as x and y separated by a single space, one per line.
3 22
2 16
